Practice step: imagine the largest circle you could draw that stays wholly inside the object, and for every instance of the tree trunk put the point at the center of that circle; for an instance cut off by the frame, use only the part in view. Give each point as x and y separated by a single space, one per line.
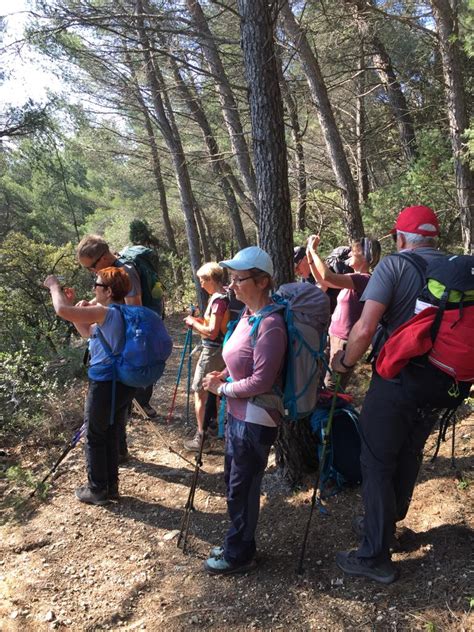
206 251
362 175
266 111
340 165
199 115
210 237
175 147
268 135
230 111
448 32
386 73
296 451
160 185
292 109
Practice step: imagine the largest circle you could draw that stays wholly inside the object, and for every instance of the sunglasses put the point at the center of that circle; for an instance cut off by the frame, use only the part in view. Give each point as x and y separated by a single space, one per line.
93 265
99 285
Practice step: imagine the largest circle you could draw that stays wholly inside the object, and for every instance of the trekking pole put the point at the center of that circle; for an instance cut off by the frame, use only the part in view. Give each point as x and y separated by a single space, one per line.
70 446
187 343
188 383
143 414
189 506
316 497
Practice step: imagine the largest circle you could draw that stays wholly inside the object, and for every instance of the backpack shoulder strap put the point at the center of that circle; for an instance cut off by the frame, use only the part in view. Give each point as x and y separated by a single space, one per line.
418 262
257 318
231 325
105 345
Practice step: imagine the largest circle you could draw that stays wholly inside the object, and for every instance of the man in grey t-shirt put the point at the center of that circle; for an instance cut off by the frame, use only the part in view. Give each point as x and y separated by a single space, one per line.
393 430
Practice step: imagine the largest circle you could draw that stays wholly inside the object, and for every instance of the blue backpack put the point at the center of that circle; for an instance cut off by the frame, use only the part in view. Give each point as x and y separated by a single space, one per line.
146 347
305 309
342 460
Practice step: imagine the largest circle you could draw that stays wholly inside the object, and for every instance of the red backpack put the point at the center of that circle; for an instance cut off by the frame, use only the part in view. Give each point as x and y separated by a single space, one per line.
443 331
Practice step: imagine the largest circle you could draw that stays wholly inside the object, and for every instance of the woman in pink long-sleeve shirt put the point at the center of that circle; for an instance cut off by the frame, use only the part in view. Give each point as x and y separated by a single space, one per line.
254 362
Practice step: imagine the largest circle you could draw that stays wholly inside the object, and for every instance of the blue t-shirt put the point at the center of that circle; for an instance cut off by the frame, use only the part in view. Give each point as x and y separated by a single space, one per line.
100 368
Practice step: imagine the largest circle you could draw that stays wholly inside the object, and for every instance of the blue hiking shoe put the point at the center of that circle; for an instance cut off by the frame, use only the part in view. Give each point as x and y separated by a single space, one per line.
216 551
384 572
220 566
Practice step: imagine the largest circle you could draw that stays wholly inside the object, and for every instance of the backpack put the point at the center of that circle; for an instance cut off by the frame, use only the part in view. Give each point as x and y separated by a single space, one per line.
146 264
342 461
305 309
442 330
146 347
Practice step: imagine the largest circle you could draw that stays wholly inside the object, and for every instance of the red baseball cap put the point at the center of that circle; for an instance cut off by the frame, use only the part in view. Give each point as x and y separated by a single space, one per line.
420 220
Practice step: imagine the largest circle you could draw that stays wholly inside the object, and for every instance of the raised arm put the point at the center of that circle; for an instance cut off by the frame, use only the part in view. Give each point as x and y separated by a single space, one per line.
82 315
321 271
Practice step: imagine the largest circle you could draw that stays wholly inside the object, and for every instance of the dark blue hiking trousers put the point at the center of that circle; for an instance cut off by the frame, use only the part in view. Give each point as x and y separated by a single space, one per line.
246 456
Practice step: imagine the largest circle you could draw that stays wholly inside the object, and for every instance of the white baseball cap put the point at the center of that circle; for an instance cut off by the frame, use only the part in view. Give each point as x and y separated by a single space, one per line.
251 257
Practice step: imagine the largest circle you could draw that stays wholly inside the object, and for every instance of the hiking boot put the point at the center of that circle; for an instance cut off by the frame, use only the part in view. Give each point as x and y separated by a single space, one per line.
212 432
220 566
150 411
124 458
114 493
384 572
358 528
194 444
86 495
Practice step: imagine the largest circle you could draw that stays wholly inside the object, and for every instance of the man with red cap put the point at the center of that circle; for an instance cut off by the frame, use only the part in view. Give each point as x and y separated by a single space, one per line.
393 429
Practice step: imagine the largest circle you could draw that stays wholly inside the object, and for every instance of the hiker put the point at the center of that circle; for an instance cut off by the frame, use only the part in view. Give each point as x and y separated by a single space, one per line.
211 328
94 254
102 438
254 365
396 417
364 255
301 264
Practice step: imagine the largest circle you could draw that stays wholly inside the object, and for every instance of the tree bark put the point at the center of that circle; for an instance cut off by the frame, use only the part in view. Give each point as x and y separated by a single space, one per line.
296 451
174 145
340 165
446 18
230 111
362 173
197 112
268 135
206 250
292 109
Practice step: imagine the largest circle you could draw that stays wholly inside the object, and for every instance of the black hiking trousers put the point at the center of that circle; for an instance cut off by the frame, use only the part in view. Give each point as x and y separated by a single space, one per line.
102 437
397 418
394 432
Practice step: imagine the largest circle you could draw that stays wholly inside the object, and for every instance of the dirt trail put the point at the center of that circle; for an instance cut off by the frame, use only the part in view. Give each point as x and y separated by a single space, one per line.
69 566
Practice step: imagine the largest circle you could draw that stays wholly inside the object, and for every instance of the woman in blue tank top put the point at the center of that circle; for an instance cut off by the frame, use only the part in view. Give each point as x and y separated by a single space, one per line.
102 437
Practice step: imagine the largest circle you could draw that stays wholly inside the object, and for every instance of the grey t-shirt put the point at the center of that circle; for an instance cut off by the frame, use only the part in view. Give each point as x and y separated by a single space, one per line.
396 283
132 275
